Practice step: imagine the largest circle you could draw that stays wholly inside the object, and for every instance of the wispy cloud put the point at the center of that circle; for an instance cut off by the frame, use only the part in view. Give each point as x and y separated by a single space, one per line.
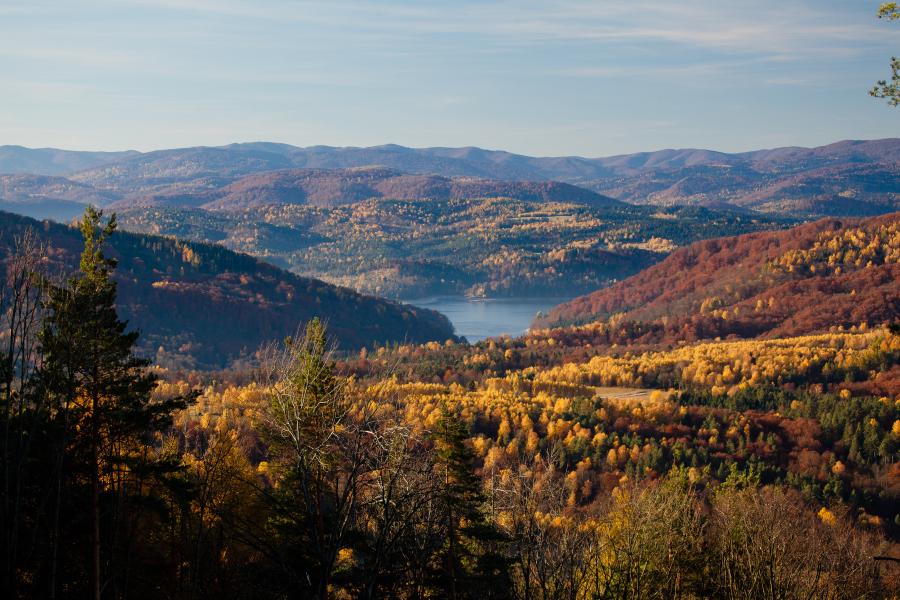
558 73
763 26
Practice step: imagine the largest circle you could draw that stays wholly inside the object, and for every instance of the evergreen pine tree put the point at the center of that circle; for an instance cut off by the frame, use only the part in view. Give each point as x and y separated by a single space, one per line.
92 374
467 556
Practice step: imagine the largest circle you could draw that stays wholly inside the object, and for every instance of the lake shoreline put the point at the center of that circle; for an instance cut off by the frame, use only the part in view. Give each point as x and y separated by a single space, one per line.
477 319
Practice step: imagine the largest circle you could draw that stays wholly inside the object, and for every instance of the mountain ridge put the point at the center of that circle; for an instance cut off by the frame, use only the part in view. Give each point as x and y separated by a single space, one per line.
849 177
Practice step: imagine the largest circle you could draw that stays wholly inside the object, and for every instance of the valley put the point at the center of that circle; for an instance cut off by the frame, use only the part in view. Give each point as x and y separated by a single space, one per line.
478 247
661 362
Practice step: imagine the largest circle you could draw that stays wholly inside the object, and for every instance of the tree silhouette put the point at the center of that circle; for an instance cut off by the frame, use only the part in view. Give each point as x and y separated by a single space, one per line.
93 375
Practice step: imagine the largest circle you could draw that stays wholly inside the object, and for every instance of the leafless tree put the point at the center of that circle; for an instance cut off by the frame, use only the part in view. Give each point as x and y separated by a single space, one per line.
399 524
770 544
21 287
548 548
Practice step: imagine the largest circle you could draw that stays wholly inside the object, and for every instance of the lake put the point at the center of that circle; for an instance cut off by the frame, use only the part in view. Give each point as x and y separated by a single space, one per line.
478 319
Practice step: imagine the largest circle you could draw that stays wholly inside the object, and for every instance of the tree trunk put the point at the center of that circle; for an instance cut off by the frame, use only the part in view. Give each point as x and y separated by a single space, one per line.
54 535
95 498
452 569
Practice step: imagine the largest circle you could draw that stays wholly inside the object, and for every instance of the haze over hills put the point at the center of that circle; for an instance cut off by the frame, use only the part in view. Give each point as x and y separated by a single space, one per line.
51 161
45 196
318 187
857 178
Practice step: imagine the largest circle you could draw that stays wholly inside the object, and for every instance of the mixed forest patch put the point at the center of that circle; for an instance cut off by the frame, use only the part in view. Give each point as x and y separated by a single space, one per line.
483 247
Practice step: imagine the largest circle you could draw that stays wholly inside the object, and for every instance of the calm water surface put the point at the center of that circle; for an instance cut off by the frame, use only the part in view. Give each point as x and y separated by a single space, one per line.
479 319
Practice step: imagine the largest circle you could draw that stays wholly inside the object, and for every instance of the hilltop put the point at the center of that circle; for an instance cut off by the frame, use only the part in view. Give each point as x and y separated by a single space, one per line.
203 306
822 275
317 187
847 178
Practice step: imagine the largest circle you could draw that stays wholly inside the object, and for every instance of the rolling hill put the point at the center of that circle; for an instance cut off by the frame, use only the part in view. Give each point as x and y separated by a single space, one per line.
484 247
848 178
317 187
830 273
202 306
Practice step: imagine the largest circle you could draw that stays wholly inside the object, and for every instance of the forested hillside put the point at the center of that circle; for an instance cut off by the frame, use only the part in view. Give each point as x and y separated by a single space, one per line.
206 307
595 460
487 247
787 409
825 274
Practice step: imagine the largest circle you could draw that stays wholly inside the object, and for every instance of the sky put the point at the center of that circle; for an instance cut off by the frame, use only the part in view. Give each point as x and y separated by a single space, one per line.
542 78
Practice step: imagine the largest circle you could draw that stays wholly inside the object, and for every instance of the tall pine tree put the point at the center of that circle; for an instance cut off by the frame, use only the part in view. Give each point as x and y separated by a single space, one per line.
469 567
92 374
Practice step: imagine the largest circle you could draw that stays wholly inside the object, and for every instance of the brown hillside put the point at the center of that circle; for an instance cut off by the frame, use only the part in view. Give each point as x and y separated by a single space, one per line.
206 307
825 274
315 187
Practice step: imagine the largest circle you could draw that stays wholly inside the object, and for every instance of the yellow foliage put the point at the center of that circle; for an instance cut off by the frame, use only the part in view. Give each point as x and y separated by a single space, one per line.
827 516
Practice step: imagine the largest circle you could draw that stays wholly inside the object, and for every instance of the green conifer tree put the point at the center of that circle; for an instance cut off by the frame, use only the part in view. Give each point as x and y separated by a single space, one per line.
468 554
92 373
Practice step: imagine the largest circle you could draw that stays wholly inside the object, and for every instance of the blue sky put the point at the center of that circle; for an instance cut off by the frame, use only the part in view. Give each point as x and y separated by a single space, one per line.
542 78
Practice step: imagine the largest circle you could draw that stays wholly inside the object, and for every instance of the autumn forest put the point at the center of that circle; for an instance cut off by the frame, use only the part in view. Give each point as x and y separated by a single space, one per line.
664 438
277 370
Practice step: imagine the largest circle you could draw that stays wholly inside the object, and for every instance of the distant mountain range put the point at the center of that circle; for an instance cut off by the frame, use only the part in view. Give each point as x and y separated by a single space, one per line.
236 159
857 178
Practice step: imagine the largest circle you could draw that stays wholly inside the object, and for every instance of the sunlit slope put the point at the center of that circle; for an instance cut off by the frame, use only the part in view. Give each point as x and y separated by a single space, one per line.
484 247
806 279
